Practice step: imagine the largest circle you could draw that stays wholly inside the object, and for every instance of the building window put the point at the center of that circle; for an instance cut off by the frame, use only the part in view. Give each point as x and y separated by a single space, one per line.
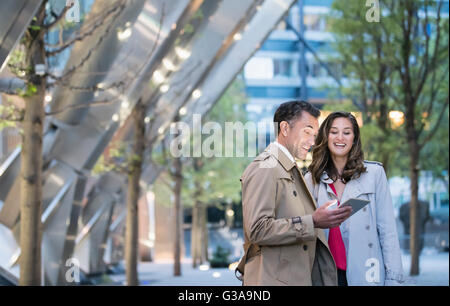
282 67
315 22
260 68
316 70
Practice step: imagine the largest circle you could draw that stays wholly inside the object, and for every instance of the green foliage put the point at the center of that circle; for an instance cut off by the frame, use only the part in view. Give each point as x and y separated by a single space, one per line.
6 114
365 51
198 15
101 166
163 190
213 180
35 28
188 28
16 62
120 159
435 152
218 177
346 106
220 258
29 91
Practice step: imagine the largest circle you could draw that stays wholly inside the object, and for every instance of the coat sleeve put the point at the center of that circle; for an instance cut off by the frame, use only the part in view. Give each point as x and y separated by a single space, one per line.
387 231
259 190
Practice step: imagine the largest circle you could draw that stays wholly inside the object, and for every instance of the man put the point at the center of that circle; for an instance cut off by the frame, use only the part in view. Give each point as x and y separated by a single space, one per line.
284 241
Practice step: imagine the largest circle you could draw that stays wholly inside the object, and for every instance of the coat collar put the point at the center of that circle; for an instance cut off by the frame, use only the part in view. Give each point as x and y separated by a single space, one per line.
325 178
353 188
288 165
284 160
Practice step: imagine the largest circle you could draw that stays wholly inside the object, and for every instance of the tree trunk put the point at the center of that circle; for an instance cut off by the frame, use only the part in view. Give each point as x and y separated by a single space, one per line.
196 238
204 233
414 149
31 163
385 160
131 231
178 215
195 235
31 190
414 210
410 102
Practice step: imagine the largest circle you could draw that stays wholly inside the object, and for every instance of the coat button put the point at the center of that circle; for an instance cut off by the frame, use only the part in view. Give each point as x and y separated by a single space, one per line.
305 247
370 245
365 208
367 227
295 193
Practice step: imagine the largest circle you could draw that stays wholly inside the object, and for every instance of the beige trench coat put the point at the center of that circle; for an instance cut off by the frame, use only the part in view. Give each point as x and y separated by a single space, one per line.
281 251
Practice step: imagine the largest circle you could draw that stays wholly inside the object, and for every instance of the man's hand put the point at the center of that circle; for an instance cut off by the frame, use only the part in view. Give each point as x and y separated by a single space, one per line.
325 218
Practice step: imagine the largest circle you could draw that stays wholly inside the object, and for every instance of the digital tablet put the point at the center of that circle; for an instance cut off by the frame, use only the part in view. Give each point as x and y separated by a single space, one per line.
356 204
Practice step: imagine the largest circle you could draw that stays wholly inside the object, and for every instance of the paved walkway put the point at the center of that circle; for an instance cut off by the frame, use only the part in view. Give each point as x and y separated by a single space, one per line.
434 271
161 274
433 268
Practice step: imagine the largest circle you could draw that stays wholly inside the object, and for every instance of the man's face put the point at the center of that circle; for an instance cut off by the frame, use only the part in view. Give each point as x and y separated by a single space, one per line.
301 135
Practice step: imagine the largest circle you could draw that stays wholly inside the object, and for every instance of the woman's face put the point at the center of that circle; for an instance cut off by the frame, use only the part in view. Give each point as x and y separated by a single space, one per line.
340 137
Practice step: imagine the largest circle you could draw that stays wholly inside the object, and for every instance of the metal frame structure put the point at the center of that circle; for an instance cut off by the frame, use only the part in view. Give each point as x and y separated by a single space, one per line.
168 68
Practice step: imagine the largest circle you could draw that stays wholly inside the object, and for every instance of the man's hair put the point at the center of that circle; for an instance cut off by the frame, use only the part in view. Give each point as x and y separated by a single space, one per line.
291 111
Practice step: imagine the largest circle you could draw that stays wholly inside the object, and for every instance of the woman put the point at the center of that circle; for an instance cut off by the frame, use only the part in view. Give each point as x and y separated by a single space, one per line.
365 247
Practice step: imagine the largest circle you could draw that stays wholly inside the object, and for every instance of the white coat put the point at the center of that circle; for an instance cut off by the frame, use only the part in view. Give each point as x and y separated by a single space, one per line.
370 235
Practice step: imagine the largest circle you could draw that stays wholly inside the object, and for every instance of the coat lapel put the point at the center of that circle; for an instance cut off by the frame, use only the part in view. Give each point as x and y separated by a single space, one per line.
353 188
281 157
311 198
289 165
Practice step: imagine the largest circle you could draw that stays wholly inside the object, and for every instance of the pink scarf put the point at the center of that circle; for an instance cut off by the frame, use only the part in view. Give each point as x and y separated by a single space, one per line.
336 243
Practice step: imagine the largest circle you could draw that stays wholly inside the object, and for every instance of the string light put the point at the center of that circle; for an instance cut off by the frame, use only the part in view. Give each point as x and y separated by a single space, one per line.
196 93
164 88
183 111
237 36
168 64
158 77
182 53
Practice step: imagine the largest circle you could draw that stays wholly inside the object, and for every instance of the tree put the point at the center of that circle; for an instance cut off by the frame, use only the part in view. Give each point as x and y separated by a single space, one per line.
31 156
177 176
206 181
29 62
366 60
134 176
424 90
214 180
403 61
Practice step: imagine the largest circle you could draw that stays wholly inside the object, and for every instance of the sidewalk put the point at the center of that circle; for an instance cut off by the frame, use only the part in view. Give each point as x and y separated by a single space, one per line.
433 268
434 271
161 274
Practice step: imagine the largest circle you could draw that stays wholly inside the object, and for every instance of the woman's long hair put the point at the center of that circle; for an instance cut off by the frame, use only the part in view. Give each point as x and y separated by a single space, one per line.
321 153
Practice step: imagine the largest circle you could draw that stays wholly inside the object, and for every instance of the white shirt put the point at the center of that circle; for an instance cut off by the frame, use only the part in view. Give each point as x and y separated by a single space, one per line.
285 151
